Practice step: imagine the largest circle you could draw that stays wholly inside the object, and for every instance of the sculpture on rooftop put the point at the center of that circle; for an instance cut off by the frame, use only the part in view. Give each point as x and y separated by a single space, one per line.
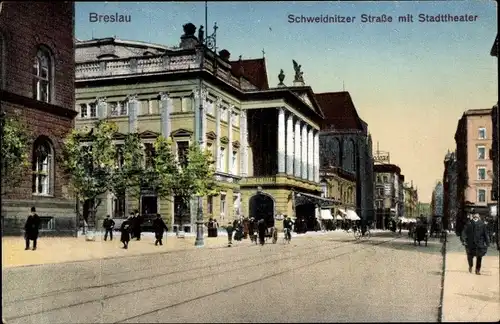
299 75
201 34
281 77
189 29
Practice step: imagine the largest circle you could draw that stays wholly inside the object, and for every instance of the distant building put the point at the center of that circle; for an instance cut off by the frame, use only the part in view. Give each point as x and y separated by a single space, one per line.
450 199
345 143
37 85
437 200
474 167
339 186
410 200
389 199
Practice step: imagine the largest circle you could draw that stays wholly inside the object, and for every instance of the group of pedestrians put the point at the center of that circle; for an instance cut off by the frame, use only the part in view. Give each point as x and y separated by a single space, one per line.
131 228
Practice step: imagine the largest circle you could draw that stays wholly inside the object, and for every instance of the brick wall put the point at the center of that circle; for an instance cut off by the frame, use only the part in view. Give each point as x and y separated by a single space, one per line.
25 26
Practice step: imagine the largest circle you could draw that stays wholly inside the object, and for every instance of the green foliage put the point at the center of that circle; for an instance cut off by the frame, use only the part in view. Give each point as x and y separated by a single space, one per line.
197 177
90 166
127 175
161 176
14 152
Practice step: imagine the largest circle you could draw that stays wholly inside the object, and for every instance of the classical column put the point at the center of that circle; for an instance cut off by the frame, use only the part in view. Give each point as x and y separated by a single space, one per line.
102 108
196 108
289 145
316 156
297 154
230 139
218 112
281 140
204 100
165 109
244 143
303 162
310 155
133 110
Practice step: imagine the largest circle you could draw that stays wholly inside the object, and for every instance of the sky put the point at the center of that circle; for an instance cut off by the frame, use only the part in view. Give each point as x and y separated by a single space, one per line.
411 82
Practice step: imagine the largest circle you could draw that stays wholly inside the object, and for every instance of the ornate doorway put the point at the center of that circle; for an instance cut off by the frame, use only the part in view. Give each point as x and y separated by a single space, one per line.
262 206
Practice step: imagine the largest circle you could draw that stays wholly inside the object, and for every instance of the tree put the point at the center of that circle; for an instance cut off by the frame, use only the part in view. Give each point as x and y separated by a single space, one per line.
89 159
14 153
127 175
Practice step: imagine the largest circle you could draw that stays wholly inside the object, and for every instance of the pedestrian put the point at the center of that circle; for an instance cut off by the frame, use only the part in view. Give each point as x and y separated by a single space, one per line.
31 228
287 225
216 228
158 226
400 226
251 229
132 224
475 239
229 230
210 227
125 229
108 225
137 227
261 227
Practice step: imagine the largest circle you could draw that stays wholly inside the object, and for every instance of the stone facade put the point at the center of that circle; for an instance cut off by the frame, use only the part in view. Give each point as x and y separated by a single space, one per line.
39 35
410 201
252 134
450 199
339 186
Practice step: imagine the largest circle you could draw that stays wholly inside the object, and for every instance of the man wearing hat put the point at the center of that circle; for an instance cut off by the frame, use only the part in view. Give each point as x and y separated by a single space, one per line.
475 239
31 228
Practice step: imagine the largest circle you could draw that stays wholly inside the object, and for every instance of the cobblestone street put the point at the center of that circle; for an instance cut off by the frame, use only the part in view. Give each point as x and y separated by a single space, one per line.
318 278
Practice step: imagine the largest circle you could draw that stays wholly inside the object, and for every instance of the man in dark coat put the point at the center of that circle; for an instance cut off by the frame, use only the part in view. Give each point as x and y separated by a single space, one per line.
158 226
251 228
475 239
137 227
262 227
125 229
288 225
31 228
108 225
229 230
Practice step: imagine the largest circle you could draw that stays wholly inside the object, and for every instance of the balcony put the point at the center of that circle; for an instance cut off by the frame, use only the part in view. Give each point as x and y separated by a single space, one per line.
280 181
226 177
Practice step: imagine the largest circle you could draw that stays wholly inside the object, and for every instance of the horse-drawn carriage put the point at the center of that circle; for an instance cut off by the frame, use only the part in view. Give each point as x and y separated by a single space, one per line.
420 234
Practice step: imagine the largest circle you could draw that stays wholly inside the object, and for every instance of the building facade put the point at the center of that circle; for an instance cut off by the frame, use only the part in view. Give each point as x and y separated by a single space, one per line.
437 200
265 141
340 187
37 86
345 143
389 201
410 200
474 166
450 199
495 125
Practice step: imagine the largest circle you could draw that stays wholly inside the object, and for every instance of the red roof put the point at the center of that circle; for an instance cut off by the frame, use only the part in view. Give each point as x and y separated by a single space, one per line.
339 111
254 70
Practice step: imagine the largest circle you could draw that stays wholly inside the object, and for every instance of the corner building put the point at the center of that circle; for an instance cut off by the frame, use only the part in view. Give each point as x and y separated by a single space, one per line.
264 140
37 87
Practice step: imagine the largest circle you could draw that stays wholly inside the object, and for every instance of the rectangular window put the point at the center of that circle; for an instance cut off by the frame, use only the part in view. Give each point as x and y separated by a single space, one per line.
93 109
380 192
119 207
124 108
114 109
482 133
222 159
46 223
223 205
234 163
236 120
386 179
210 204
481 153
481 195
481 173
83 111
149 154
182 152
210 107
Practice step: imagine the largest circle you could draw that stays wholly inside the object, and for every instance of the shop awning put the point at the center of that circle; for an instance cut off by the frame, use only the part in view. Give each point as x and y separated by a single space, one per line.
351 214
339 217
342 211
326 214
305 198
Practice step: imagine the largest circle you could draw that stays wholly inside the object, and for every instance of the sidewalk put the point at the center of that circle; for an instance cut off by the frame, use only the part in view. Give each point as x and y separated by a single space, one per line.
469 297
67 249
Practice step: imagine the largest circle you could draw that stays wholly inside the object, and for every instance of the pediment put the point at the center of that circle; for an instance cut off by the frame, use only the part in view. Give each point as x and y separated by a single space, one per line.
181 132
308 98
211 135
224 140
149 134
236 144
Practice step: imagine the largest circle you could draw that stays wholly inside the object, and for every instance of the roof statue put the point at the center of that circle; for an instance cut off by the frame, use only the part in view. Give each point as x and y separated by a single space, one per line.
281 77
299 75
201 33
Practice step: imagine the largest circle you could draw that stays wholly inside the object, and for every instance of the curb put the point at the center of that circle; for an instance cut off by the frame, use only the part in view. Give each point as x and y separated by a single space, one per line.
441 297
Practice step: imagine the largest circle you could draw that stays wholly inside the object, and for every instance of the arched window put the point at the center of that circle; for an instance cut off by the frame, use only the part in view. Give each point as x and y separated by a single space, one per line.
42 167
42 89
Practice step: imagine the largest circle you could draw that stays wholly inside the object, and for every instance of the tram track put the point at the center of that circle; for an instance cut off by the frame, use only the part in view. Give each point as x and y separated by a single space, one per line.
218 262
151 280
